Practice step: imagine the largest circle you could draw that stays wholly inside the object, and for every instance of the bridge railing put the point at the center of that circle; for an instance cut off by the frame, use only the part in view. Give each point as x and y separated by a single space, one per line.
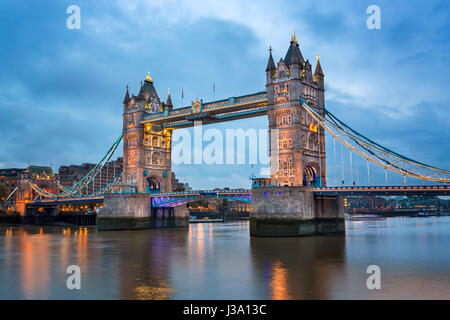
199 192
443 187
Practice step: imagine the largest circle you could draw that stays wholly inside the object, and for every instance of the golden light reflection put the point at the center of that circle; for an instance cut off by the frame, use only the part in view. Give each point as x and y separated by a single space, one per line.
279 282
153 293
81 246
200 244
34 264
196 245
210 234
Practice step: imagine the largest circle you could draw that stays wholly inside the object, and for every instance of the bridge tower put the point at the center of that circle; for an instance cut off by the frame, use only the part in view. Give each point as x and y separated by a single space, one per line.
301 141
146 149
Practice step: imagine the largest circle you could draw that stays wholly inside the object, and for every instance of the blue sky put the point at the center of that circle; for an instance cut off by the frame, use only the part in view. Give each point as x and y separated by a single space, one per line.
61 90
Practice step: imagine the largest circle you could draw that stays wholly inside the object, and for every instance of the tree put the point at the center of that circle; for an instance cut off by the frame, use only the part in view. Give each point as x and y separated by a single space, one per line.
199 203
222 205
4 192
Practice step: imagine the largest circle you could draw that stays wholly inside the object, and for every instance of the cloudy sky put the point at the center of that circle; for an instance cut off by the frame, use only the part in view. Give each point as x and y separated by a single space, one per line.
61 90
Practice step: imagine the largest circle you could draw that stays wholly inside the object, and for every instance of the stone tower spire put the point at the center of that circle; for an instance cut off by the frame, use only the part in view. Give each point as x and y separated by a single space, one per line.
271 69
169 101
318 73
270 63
127 97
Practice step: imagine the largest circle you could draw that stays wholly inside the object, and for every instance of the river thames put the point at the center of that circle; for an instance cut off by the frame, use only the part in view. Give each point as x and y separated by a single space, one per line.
221 261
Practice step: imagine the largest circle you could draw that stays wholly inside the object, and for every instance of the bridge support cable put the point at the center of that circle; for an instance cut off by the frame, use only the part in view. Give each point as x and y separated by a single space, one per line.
376 153
106 187
76 189
351 168
320 157
393 159
385 175
11 194
40 191
357 177
335 162
342 162
392 163
102 190
94 172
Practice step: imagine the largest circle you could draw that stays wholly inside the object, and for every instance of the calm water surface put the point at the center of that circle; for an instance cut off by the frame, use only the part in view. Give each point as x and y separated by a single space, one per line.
221 261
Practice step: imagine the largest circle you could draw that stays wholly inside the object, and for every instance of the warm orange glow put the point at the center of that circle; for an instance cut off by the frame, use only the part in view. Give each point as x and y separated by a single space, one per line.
279 282
313 128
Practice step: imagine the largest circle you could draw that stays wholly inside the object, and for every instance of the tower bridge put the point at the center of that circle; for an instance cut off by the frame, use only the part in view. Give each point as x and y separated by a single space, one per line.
293 200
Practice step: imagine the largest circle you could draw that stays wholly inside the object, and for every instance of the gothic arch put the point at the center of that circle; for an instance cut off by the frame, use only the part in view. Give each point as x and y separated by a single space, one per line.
309 175
152 185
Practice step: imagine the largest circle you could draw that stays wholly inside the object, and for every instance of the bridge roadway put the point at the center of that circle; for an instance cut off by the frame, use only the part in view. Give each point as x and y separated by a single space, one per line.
176 198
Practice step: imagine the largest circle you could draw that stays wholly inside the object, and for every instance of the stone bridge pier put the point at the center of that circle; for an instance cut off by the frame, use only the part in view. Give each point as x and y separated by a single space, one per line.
295 211
133 211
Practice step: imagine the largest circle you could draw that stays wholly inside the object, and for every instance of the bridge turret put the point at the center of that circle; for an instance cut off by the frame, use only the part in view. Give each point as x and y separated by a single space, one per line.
270 68
146 150
126 101
319 81
301 149
169 105
306 72
127 98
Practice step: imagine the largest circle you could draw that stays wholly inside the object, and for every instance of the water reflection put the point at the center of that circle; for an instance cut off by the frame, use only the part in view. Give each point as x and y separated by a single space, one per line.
279 282
34 268
298 268
221 261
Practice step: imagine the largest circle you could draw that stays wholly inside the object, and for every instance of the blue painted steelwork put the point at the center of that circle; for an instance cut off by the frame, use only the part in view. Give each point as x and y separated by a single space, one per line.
177 198
441 190
172 201
375 152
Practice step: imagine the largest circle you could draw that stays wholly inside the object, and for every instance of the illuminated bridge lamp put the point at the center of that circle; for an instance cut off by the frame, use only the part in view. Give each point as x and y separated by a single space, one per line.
313 128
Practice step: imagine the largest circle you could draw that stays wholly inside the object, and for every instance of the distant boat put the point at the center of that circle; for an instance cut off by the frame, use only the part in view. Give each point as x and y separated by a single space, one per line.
206 220
362 217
